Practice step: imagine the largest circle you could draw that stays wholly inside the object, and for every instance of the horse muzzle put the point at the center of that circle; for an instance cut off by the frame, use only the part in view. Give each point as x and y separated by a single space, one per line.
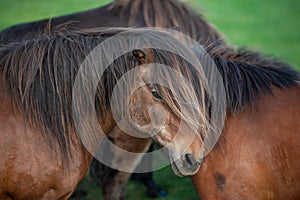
186 165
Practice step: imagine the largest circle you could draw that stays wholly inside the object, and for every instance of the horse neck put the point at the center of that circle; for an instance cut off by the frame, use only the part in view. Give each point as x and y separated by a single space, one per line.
271 112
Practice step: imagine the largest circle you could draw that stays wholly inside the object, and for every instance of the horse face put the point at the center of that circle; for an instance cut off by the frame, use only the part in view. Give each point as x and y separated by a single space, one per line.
150 114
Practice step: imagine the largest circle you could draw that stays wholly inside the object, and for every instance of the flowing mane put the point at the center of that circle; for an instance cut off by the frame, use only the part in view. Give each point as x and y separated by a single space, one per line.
247 75
40 74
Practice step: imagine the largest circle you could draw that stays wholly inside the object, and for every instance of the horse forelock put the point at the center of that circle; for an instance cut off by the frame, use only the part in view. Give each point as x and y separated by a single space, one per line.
184 96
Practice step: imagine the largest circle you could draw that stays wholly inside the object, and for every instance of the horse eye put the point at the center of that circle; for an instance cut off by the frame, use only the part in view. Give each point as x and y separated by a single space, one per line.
156 95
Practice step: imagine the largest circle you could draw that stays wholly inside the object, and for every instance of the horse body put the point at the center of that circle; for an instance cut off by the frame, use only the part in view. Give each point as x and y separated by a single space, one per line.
32 165
30 168
258 153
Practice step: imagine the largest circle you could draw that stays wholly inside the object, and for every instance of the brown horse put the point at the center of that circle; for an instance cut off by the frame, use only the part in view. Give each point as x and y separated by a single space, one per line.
121 13
248 80
258 153
42 152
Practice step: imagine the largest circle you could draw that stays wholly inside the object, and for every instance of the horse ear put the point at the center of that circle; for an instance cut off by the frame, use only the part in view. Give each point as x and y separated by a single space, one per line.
144 56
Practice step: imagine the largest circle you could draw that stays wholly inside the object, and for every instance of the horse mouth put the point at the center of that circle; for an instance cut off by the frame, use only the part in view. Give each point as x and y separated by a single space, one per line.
180 170
176 170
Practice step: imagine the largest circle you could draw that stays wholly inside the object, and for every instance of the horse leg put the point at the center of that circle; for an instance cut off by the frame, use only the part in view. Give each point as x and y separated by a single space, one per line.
112 181
145 165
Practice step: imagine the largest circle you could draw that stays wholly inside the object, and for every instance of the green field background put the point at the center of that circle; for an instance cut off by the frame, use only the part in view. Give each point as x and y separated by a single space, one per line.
270 26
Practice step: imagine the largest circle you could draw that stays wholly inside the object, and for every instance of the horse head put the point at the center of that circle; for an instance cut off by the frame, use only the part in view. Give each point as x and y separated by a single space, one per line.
150 112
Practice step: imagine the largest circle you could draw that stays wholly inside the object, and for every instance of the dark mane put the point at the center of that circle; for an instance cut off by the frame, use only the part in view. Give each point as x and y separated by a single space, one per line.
40 74
167 14
248 75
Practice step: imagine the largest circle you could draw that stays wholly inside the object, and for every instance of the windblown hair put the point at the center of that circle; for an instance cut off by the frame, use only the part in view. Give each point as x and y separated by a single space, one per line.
40 75
247 75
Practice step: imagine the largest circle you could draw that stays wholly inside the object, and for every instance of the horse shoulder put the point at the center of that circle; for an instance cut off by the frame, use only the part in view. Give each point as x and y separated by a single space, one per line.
258 153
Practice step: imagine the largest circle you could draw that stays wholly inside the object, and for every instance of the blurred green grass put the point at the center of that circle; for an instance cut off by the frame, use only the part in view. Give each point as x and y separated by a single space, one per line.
271 26
178 188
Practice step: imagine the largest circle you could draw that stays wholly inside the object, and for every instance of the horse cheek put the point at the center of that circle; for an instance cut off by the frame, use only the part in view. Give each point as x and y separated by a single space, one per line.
138 109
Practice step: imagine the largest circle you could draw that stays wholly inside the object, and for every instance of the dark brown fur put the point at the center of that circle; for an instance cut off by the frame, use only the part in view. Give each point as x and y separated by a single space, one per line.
220 180
123 13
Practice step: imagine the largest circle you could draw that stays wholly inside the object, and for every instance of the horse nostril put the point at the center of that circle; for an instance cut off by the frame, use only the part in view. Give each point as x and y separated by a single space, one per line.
190 160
